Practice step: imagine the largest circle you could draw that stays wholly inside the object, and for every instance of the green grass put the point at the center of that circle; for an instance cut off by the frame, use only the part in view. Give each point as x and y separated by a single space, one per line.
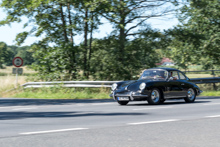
80 95
211 93
199 75
76 93
64 93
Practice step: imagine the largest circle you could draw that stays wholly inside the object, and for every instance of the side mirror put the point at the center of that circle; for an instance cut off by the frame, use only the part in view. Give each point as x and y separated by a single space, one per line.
170 79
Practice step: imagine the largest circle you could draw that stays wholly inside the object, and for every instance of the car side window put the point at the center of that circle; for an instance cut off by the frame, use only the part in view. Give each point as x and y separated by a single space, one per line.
174 74
182 77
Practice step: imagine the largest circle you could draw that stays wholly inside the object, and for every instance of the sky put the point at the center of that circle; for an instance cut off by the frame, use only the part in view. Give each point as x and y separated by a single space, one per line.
8 33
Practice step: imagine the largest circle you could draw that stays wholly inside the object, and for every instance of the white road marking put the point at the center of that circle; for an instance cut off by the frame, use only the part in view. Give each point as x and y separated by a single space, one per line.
25 108
153 122
214 116
212 104
53 131
152 108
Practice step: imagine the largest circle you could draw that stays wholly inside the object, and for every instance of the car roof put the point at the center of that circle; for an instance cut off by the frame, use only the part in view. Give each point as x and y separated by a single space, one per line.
166 68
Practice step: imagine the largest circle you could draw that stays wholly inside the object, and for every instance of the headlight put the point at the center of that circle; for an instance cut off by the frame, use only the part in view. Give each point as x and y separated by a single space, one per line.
114 86
142 86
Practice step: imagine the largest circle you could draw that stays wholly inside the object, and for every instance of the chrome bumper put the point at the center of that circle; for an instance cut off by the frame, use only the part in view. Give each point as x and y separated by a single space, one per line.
199 92
131 95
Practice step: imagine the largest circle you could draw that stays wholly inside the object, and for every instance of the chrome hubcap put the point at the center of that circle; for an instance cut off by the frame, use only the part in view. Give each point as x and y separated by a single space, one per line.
191 94
155 96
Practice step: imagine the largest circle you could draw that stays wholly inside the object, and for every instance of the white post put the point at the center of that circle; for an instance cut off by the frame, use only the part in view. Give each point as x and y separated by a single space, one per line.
16 78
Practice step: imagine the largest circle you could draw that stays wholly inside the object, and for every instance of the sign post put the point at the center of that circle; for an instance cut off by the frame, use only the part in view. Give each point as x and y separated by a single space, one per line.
17 62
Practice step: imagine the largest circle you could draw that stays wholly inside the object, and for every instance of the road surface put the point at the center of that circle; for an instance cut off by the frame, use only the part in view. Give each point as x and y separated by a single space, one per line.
103 123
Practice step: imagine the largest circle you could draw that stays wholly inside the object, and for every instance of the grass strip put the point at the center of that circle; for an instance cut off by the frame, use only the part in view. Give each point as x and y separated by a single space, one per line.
64 93
61 94
210 93
73 93
76 95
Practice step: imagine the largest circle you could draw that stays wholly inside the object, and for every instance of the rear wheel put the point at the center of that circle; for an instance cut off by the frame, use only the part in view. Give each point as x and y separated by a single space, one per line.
122 102
155 97
191 96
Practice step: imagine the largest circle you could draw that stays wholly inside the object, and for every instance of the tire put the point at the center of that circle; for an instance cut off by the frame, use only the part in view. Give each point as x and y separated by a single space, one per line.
155 97
162 101
122 102
191 96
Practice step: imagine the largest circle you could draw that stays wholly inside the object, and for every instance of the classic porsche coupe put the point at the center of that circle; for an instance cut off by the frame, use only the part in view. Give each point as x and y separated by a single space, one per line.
156 85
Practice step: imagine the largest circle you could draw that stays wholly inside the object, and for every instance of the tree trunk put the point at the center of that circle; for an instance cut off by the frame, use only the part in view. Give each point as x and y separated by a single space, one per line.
85 42
72 51
63 23
122 33
90 43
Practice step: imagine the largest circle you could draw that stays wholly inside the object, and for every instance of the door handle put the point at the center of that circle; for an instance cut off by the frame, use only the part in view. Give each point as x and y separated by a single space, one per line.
182 84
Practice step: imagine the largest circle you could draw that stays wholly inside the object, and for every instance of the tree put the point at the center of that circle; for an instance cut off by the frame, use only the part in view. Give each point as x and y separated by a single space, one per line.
15 51
26 54
197 39
140 54
57 22
3 53
180 48
127 16
90 20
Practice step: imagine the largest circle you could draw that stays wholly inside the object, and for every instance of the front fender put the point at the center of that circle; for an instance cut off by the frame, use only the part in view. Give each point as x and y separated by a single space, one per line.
198 91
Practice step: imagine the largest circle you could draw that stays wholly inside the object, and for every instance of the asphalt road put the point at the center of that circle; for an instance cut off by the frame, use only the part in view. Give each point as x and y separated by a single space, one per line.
103 123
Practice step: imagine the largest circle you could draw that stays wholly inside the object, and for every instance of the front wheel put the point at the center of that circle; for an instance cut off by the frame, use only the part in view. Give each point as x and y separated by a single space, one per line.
162 101
191 96
122 102
155 97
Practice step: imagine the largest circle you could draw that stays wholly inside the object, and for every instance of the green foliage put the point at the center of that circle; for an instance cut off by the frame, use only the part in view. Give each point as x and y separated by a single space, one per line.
21 37
126 16
139 54
120 56
24 52
3 53
52 63
197 40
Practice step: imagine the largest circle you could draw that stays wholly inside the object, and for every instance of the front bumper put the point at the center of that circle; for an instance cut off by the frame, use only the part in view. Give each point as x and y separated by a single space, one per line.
132 95
199 92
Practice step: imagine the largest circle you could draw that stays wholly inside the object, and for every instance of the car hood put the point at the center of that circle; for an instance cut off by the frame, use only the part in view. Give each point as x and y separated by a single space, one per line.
133 85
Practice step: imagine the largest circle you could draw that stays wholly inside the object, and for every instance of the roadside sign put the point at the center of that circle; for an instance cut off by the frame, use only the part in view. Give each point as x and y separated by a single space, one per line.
17 71
17 61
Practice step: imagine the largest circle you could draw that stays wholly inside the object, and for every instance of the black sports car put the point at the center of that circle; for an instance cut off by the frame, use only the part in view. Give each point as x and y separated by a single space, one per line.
156 85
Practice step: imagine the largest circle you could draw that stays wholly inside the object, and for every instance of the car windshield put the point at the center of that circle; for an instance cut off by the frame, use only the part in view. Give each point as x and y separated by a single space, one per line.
154 74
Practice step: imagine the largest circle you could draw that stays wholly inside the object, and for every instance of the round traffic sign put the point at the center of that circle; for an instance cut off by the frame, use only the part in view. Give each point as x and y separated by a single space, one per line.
17 61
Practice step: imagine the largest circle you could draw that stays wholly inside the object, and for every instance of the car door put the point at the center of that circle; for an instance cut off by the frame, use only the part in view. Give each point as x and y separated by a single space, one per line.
184 83
174 87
